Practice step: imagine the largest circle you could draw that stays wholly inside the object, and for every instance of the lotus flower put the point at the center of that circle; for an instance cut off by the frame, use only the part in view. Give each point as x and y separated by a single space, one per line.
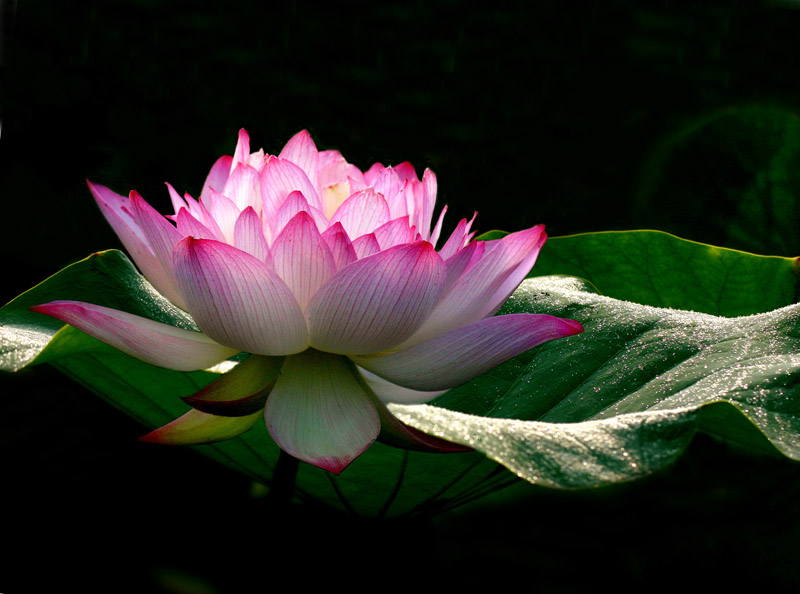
330 279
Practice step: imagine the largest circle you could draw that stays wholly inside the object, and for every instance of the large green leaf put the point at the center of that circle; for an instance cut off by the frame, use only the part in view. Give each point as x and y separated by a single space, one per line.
625 398
615 403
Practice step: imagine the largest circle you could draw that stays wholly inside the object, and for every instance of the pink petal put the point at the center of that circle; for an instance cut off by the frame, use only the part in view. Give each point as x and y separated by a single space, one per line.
197 428
460 355
437 230
248 235
377 302
481 289
319 413
405 171
340 245
188 225
177 202
243 187
395 232
362 213
295 203
153 342
302 151
161 236
279 178
366 245
372 173
389 184
242 152
457 239
217 176
302 258
237 299
115 210
429 187
224 212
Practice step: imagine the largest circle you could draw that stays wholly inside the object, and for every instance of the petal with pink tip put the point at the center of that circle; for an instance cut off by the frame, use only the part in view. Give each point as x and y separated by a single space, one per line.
340 245
362 213
243 187
377 302
248 235
389 184
474 294
366 245
437 229
161 236
224 212
429 186
237 299
302 151
279 178
198 428
150 341
514 278
319 413
457 239
188 225
372 173
302 258
177 202
217 176
460 355
294 204
242 152
395 232
405 171
115 209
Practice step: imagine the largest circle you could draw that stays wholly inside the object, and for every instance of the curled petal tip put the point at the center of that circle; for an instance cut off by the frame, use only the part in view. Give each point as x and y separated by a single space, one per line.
574 325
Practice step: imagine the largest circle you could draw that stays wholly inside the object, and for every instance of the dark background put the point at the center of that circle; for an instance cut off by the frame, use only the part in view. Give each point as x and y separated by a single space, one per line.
529 112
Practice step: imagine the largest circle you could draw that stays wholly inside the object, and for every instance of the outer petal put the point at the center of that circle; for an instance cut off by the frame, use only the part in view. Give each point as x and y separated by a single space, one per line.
482 288
161 236
318 412
377 302
148 340
387 392
115 209
197 428
237 299
458 356
241 391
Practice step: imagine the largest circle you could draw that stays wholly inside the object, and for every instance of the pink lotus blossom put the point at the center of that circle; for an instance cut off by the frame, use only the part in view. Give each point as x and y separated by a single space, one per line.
329 277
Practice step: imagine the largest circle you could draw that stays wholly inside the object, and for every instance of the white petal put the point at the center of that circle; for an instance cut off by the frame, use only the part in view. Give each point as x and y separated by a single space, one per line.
318 411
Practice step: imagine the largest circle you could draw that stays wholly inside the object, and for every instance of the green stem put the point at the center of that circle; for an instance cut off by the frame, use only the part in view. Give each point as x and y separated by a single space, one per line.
283 480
